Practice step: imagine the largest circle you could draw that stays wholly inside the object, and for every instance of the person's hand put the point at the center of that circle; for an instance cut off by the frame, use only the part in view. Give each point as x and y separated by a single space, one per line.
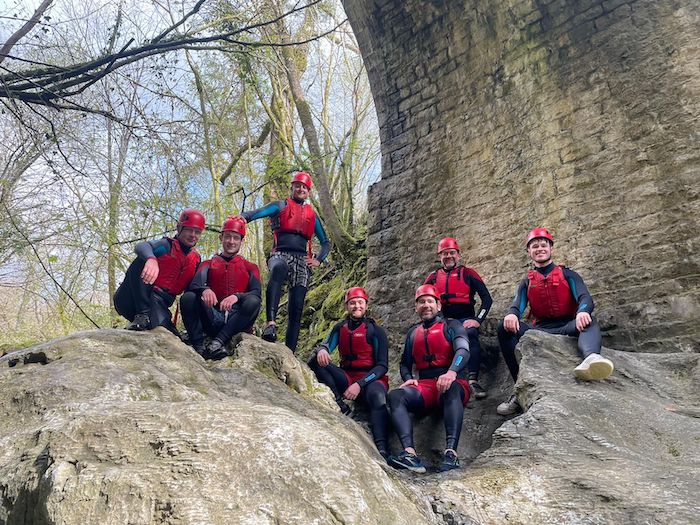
150 271
323 357
445 381
209 297
511 323
352 392
471 323
409 382
228 302
583 319
312 262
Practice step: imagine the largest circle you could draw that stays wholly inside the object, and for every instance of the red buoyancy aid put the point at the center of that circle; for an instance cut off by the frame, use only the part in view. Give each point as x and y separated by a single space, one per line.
451 286
550 296
355 351
297 218
176 268
431 349
228 277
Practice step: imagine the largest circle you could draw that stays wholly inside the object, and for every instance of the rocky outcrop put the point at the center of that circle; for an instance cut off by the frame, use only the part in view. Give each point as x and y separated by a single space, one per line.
497 116
119 427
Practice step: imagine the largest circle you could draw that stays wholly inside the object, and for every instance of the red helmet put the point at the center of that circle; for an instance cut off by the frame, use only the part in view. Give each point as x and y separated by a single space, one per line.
356 293
539 233
448 243
426 289
234 224
191 218
303 177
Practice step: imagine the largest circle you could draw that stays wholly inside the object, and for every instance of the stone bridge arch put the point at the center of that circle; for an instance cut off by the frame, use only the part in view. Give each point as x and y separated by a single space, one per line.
497 116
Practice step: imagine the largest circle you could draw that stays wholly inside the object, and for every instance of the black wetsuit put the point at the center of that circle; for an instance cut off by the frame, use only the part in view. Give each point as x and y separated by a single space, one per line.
589 340
373 390
409 399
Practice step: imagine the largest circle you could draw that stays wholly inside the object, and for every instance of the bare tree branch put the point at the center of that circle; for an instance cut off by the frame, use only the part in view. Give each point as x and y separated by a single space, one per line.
22 31
248 146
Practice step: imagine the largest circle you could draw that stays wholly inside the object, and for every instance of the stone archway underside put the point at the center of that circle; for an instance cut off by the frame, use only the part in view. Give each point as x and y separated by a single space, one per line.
582 116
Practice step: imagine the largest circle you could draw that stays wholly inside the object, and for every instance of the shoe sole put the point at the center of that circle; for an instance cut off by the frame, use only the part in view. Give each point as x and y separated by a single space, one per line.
402 466
447 468
595 371
481 396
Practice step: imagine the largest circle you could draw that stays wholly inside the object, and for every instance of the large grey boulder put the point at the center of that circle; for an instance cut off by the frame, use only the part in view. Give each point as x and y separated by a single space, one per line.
116 427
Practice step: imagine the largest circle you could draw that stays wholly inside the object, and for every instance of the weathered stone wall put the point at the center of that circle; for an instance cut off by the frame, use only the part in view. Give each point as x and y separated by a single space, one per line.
497 116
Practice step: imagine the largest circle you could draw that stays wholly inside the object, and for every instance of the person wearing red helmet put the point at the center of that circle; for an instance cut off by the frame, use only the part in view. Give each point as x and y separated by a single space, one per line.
161 271
439 349
294 222
561 304
458 285
224 297
364 361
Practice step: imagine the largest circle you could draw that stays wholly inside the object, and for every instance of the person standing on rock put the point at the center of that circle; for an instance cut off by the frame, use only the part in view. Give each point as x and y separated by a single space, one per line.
439 349
224 297
364 361
161 271
561 304
457 286
294 223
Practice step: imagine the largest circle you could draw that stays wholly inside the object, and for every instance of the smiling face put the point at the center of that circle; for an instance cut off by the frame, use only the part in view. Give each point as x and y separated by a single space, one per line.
356 307
427 307
540 251
300 191
230 243
188 236
450 258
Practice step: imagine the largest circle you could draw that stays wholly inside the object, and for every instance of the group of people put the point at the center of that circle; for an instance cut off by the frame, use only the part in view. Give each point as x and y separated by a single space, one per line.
222 296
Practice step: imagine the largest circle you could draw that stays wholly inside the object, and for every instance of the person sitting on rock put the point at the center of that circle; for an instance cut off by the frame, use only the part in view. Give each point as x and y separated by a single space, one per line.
161 271
294 223
364 361
561 304
457 286
224 297
439 349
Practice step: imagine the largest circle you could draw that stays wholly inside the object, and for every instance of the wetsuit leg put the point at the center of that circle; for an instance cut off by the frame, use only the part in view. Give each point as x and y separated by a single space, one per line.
452 414
508 341
375 396
589 341
474 362
160 314
402 401
297 294
331 376
240 317
190 306
278 275
133 295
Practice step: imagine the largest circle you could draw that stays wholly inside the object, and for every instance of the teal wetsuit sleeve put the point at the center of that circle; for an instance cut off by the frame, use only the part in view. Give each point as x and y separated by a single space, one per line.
330 343
579 290
323 239
520 301
268 210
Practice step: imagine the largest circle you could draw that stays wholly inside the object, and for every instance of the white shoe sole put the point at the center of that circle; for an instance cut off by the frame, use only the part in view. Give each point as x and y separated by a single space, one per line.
595 371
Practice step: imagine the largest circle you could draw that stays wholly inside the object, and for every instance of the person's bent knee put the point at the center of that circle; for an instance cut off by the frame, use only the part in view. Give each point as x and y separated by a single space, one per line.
188 300
396 397
502 330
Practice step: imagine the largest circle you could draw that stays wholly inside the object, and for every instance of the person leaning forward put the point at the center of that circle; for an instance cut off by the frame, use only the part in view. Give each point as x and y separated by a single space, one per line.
561 304
294 223
457 286
439 349
161 271
224 297
364 361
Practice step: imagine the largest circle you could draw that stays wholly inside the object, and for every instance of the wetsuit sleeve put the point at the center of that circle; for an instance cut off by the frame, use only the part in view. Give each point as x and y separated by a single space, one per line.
520 300
475 283
150 249
323 239
199 281
381 357
580 291
254 282
406 365
457 334
431 279
266 211
330 343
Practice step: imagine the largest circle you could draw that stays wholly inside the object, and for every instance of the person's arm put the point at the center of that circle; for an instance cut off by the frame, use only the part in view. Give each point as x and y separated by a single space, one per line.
406 365
580 291
330 343
268 210
381 357
323 239
254 282
431 279
475 283
152 249
199 281
520 301
457 334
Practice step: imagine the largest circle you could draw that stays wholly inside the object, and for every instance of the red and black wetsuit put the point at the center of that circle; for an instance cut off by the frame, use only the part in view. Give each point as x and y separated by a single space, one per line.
225 276
555 295
177 264
433 347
